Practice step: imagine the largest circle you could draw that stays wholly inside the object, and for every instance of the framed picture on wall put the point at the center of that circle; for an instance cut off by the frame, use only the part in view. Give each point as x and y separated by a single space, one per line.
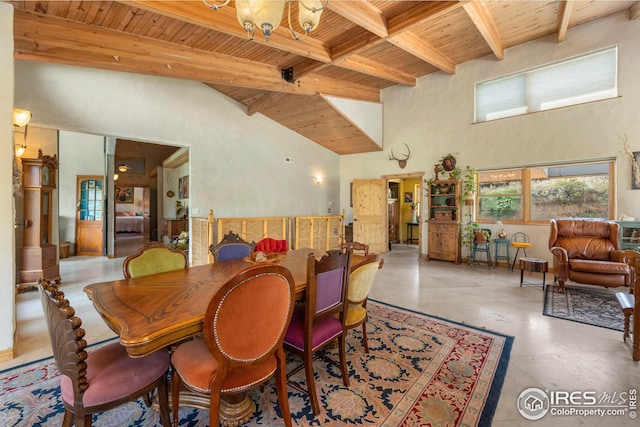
124 194
408 197
183 187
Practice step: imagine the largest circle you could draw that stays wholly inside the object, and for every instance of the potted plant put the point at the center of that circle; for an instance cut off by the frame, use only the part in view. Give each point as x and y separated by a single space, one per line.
469 185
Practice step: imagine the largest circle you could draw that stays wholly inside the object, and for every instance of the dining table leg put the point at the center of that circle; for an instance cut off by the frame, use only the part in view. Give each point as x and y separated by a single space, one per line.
235 409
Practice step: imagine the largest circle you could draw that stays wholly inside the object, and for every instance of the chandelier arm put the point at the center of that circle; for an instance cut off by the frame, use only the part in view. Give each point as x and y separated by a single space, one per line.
312 9
293 33
215 6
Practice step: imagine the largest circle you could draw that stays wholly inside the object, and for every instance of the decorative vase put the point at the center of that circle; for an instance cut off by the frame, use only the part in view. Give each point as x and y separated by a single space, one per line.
502 234
414 217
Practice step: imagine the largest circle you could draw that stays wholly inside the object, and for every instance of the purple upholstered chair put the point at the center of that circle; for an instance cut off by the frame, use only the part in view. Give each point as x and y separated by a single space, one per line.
231 247
322 318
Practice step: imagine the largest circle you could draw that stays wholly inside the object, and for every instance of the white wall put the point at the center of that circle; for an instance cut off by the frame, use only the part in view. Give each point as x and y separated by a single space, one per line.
7 234
237 161
436 117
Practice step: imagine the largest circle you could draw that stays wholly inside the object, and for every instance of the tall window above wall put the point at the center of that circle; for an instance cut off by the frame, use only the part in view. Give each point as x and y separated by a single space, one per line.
539 193
577 80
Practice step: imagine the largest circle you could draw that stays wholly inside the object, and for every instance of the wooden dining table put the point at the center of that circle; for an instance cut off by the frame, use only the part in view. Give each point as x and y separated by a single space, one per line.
153 312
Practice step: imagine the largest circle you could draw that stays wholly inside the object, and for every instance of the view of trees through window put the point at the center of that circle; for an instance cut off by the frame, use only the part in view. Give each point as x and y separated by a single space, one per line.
577 190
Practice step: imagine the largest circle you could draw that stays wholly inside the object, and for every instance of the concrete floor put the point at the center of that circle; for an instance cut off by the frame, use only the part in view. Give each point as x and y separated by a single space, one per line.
548 353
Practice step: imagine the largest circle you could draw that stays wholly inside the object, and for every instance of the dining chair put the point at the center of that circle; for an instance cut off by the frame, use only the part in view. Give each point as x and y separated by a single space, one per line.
270 245
481 243
153 258
231 247
519 241
243 329
360 282
102 378
321 319
355 246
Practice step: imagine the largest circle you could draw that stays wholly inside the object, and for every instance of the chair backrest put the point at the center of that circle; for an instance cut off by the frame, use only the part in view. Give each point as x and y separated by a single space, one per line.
67 337
327 284
482 236
355 246
270 245
585 238
231 247
361 279
152 259
520 237
247 318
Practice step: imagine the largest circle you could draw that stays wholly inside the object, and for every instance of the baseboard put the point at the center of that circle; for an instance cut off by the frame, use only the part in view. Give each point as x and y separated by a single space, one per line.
7 354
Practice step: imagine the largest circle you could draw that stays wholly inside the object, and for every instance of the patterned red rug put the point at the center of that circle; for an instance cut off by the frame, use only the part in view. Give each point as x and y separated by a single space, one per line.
420 371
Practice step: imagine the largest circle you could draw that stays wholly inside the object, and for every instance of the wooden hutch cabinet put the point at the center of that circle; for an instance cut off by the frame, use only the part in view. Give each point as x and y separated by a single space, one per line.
39 254
444 220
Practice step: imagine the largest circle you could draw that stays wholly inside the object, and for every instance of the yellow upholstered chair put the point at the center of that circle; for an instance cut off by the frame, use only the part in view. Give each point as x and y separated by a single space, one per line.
355 246
152 259
519 241
360 282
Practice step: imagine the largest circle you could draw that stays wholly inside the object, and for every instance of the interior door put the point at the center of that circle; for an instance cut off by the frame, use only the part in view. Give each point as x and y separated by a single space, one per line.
90 216
370 213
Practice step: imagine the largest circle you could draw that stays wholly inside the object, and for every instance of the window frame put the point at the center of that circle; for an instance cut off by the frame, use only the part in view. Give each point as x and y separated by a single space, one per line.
526 189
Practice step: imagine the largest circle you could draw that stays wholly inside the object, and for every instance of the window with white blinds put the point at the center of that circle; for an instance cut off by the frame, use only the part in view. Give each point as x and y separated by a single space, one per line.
576 80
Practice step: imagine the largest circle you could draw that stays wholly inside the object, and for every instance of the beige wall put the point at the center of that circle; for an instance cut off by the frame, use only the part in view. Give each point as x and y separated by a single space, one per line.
436 117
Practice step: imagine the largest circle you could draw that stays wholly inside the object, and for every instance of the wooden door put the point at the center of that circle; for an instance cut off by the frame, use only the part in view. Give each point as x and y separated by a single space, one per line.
370 213
90 216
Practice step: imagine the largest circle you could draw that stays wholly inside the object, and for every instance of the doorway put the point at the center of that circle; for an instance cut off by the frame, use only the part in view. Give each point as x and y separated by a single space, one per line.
90 215
404 203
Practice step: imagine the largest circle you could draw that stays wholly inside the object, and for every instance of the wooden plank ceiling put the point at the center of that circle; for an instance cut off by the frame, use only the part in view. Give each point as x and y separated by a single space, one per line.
359 48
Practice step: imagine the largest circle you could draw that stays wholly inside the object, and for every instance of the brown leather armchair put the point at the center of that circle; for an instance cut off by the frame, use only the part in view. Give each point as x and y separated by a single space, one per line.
587 251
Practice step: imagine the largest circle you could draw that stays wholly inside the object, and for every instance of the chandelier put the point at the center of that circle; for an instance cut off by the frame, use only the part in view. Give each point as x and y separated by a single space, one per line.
267 14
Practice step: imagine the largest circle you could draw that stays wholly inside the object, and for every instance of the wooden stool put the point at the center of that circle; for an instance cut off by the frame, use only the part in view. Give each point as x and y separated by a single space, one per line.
537 265
626 303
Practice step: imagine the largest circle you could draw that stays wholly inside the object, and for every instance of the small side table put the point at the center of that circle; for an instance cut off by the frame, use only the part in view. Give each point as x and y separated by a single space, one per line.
536 265
410 237
500 244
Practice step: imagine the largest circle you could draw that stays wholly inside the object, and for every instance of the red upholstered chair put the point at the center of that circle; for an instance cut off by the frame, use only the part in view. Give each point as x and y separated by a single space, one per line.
322 318
102 378
242 348
269 245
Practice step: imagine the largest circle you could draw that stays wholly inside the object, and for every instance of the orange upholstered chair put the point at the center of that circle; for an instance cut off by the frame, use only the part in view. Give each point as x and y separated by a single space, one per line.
103 378
243 329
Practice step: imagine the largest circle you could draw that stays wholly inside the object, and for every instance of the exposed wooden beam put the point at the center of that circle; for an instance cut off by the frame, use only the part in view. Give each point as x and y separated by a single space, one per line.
413 44
225 21
44 38
482 19
362 13
373 68
567 8
634 11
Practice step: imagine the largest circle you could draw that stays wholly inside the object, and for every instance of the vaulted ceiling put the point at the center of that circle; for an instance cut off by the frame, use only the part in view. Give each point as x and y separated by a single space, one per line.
359 48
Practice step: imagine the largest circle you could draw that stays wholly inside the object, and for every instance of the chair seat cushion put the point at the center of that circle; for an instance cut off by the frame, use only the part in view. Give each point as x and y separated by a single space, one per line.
521 245
113 375
356 313
196 366
323 331
602 267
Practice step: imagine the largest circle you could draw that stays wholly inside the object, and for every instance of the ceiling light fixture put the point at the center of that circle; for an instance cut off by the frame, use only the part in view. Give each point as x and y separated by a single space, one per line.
123 168
21 119
267 14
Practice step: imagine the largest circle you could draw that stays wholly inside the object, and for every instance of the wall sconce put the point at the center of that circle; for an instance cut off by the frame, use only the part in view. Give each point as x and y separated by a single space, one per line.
319 179
21 119
115 176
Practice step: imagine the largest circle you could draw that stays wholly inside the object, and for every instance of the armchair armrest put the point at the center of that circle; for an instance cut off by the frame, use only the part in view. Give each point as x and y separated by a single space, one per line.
560 263
619 256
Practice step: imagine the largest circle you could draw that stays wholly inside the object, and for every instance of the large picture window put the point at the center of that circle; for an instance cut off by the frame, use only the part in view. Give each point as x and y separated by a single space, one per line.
572 81
538 194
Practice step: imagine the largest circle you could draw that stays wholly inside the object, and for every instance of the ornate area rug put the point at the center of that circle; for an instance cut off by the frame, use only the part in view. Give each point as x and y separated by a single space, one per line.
597 306
421 371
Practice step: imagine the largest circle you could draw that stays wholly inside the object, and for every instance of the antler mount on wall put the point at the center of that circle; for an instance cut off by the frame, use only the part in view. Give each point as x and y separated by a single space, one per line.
401 162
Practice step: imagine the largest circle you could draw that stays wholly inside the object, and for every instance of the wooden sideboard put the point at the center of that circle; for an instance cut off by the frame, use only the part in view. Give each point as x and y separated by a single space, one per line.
173 227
